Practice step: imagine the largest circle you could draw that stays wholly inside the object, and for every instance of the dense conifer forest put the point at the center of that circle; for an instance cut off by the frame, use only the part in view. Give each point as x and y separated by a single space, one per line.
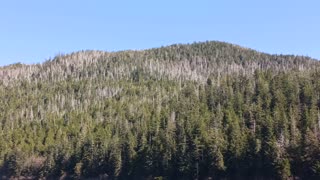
208 110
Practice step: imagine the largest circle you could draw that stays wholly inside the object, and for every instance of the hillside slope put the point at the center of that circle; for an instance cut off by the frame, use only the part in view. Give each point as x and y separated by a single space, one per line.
196 62
192 111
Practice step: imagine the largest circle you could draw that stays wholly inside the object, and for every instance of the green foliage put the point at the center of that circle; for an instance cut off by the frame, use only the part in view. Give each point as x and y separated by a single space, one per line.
198 111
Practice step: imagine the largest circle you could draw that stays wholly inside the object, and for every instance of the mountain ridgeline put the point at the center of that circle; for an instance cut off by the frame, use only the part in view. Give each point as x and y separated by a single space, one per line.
208 110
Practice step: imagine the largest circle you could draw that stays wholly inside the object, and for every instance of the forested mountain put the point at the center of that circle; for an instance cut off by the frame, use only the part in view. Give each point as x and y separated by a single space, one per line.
208 110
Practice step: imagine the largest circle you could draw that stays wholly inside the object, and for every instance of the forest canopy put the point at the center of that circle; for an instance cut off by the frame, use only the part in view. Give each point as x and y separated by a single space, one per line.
186 111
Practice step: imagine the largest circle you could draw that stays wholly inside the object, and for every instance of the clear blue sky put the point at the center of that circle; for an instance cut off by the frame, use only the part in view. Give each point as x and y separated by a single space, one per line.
35 30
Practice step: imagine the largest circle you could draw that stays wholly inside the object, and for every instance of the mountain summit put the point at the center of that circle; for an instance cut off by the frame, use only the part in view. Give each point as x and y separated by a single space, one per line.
195 62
